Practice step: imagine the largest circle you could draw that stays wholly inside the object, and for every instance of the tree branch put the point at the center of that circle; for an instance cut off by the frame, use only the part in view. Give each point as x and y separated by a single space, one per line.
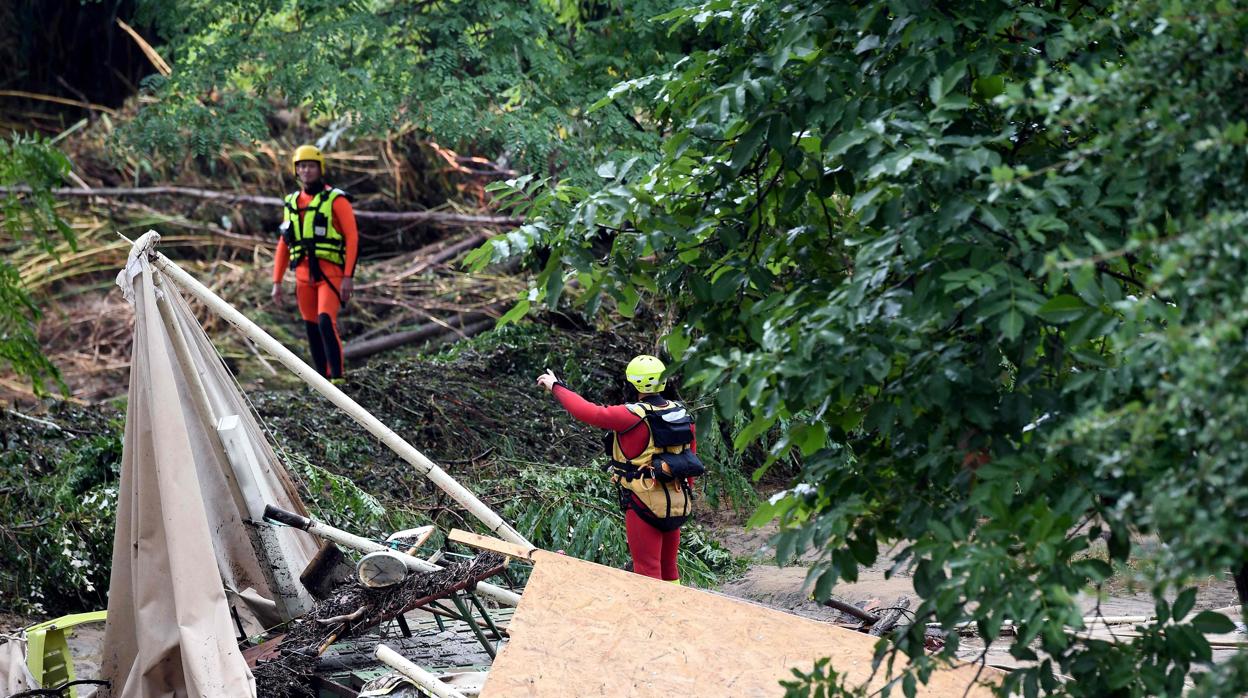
431 217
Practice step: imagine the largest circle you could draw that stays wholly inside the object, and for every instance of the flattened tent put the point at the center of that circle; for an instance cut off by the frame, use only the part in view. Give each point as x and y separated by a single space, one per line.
196 471
195 465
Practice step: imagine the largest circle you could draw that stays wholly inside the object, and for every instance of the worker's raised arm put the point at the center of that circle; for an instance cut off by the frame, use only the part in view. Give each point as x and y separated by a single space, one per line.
615 417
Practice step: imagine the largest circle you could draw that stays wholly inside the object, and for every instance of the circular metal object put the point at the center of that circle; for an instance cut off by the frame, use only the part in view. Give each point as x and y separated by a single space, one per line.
381 569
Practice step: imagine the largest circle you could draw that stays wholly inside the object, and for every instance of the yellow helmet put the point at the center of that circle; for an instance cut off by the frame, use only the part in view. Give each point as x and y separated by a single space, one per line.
645 372
307 152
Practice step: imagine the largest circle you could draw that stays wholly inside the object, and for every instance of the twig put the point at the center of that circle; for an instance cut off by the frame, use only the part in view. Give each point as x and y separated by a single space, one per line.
36 420
344 618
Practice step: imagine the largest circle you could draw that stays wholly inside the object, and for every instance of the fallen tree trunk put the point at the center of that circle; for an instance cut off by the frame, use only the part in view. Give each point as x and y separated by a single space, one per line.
431 217
438 253
475 320
851 610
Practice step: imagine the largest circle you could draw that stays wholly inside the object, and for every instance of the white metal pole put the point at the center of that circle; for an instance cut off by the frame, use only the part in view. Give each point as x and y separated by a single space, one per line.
396 443
364 545
422 678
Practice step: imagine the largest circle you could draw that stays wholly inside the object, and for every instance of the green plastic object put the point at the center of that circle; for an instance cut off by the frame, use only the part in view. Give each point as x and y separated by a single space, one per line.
47 652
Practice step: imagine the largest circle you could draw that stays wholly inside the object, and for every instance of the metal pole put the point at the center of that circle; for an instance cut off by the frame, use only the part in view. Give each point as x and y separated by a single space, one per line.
364 545
396 443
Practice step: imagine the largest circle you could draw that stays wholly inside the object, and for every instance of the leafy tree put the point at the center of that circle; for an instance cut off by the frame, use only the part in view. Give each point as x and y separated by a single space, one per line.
978 269
28 217
509 79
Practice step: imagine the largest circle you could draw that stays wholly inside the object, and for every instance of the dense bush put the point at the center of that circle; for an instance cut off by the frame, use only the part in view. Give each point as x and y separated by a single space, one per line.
979 267
58 498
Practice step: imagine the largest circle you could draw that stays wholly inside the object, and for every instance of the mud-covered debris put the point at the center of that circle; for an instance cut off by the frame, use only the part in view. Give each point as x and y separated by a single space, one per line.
290 674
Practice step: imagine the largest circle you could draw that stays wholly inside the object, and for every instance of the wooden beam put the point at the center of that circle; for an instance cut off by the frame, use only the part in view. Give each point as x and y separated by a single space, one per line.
473 540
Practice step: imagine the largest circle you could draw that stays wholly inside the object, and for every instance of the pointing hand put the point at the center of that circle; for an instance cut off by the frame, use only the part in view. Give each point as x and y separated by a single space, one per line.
547 380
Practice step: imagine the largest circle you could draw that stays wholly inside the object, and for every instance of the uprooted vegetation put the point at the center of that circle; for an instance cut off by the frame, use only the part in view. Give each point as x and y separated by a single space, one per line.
473 408
352 609
405 275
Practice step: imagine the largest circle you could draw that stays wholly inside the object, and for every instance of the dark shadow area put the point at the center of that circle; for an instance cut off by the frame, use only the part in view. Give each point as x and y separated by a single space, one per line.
66 49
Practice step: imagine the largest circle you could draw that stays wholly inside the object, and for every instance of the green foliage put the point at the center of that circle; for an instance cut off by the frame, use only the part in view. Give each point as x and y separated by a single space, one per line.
336 499
576 510
58 499
503 79
821 681
28 218
725 481
979 269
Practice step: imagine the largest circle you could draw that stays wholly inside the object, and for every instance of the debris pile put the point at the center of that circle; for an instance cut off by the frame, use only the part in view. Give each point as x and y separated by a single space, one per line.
284 667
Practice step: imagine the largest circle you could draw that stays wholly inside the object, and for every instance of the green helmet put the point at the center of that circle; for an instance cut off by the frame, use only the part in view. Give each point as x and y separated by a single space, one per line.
645 372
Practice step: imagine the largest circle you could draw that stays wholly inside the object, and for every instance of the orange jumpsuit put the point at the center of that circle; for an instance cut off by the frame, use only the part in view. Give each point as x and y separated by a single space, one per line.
319 299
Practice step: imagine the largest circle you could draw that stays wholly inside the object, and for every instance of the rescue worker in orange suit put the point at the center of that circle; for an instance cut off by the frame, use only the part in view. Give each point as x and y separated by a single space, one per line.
320 241
653 458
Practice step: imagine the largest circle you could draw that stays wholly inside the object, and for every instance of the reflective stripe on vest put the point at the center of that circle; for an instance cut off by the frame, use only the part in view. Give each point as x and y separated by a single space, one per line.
314 233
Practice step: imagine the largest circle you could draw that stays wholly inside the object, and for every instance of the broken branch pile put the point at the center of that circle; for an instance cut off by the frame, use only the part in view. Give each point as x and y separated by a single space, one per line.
284 666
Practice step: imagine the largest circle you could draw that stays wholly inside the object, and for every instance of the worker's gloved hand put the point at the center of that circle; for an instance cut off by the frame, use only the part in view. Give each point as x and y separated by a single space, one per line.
547 380
345 291
277 295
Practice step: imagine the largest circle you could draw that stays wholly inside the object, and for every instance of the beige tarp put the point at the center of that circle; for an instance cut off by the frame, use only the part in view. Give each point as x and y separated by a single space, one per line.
14 674
583 629
181 551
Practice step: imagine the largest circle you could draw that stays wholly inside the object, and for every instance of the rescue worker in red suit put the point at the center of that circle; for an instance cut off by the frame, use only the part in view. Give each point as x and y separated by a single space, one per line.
319 239
652 447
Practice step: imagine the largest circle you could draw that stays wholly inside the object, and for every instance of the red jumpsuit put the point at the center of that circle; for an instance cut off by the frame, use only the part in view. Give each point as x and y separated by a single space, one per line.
653 551
319 301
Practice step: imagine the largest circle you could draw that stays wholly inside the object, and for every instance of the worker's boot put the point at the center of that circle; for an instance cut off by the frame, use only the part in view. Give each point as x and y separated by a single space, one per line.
317 344
333 347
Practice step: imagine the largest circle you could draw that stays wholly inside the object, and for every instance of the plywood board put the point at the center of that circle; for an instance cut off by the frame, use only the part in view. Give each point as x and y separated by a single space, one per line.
583 629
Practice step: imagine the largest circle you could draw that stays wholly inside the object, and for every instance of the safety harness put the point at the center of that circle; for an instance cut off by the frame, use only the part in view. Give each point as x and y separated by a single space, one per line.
655 483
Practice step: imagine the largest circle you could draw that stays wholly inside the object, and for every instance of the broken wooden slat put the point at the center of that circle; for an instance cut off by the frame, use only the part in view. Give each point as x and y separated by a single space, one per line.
474 540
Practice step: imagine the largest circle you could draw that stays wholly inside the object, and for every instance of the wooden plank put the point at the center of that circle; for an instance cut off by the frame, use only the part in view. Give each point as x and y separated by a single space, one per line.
497 545
587 630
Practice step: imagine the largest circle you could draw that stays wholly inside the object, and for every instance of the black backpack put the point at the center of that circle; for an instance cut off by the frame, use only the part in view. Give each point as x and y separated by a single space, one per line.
670 426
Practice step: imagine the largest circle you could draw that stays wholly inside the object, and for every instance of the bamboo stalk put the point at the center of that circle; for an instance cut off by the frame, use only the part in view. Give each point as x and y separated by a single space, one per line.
58 100
322 385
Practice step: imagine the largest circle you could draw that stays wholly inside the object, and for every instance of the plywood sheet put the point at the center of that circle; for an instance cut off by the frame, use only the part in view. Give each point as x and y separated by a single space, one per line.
583 629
